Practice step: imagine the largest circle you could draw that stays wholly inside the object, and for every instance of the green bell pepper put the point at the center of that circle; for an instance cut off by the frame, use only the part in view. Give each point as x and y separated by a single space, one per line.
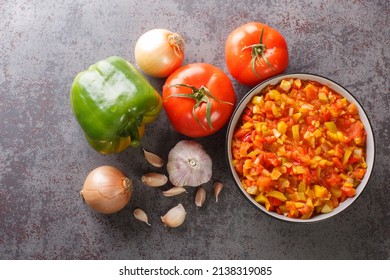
112 101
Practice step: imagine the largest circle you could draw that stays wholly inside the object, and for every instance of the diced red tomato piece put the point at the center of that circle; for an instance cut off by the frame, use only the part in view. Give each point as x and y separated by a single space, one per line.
337 162
239 133
310 92
348 191
355 130
239 167
274 201
305 209
271 160
359 173
333 179
247 138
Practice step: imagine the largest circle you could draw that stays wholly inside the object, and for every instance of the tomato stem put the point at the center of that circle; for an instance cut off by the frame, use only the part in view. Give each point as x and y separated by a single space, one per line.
200 95
258 52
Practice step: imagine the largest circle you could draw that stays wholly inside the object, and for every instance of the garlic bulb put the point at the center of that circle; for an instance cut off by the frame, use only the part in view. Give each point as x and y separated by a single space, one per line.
175 216
188 164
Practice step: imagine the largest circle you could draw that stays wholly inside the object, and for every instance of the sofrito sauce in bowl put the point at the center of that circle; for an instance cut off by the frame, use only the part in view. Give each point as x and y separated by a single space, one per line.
300 147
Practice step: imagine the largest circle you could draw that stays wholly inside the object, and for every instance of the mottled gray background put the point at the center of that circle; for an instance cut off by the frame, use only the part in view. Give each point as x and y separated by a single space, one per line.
44 158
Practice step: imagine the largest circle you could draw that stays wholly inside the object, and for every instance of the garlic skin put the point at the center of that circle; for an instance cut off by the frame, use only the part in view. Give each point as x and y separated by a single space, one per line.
200 196
188 164
174 217
140 214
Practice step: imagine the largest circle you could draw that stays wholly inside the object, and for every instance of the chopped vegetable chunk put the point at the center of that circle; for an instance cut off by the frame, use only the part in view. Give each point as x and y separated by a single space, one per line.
300 148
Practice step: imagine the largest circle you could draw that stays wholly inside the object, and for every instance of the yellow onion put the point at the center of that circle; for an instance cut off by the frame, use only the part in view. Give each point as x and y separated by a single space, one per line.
107 189
159 52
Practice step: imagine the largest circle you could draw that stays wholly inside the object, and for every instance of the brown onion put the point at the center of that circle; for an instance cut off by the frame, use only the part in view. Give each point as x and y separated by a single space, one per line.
159 52
107 189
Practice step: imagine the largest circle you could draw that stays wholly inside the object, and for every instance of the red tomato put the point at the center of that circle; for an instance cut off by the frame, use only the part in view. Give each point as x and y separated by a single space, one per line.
255 52
199 99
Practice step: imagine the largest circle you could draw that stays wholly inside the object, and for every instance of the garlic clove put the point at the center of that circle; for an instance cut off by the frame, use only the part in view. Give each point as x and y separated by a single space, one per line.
153 159
174 191
218 186
174 217
153 179
200 196
140 214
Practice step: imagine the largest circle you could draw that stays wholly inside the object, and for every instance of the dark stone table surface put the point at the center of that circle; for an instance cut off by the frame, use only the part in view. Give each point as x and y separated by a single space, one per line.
44 158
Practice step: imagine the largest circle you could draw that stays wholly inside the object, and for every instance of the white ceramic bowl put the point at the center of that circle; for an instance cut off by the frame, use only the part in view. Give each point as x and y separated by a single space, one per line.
370 147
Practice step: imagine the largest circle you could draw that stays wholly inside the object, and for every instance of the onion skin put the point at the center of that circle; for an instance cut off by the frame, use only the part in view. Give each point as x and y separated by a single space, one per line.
107 190
159 52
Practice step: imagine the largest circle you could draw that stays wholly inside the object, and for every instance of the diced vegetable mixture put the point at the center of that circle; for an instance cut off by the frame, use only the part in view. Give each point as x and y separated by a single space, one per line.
300 148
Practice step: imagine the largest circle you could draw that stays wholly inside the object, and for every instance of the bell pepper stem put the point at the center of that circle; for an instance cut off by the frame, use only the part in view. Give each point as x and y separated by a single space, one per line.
134 135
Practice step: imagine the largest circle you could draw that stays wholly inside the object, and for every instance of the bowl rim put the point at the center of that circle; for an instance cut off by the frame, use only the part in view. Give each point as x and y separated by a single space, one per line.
370 158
